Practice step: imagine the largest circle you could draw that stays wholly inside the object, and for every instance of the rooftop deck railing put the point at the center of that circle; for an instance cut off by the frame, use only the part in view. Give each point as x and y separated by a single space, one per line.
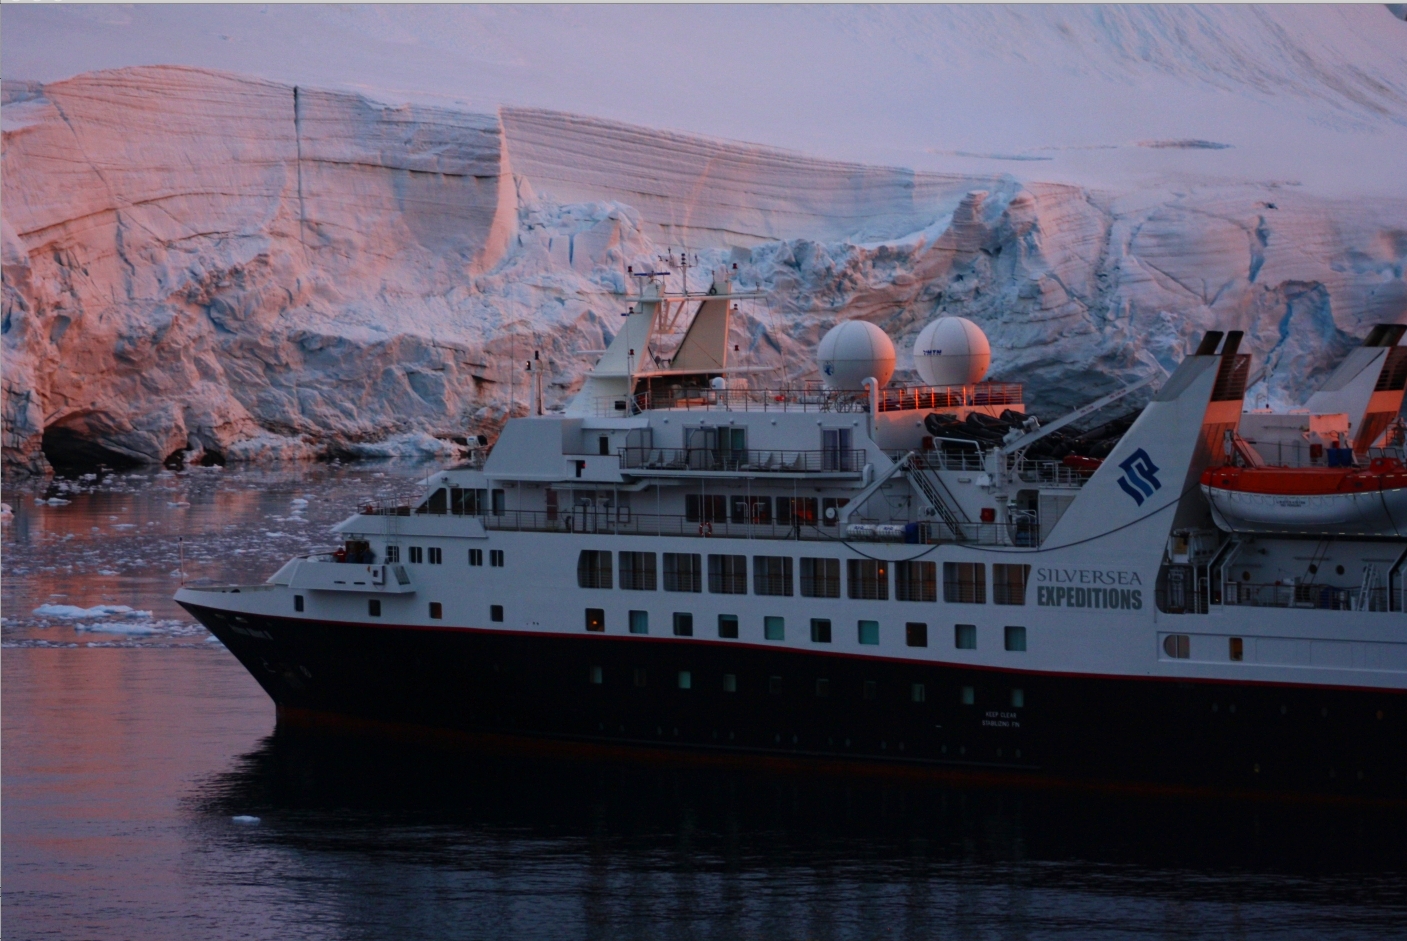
816 399
749 461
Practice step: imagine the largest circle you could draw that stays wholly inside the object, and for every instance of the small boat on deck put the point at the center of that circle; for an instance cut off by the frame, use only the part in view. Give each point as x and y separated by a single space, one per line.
1358 501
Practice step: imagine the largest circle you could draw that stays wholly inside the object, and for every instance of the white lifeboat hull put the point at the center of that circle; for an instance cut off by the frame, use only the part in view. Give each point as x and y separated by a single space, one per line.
1369 513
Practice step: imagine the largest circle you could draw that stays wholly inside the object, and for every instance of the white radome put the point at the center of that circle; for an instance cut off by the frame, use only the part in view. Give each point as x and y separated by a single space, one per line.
952 351
853 351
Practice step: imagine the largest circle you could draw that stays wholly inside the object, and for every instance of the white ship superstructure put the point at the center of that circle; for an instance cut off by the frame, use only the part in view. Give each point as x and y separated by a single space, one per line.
684 558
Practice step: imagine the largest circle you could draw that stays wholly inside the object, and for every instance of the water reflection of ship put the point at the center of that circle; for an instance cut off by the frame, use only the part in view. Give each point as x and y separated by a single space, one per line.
683 560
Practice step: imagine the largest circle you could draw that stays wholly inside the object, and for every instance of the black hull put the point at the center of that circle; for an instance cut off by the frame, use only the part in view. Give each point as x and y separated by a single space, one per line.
1349 742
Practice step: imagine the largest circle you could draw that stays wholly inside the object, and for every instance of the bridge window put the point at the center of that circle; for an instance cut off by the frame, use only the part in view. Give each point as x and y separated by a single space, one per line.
637 571
593 569
916 581
727 574
965 582
820 578
868 578
683 571
771 575
1009 583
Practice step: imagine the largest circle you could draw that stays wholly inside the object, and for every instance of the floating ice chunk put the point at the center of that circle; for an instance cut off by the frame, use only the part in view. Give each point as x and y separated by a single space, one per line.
298 501
116 627
106 572
71 612
178 503
125 526
245 819
275 535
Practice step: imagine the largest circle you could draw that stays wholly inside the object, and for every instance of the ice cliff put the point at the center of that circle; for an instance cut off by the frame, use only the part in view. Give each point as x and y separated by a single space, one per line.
201 262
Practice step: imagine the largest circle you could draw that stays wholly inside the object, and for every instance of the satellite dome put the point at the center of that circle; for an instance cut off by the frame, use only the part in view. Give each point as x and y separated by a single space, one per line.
852 352
952 351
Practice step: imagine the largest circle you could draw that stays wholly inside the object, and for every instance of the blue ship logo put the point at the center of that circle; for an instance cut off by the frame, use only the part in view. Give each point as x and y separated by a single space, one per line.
1140 476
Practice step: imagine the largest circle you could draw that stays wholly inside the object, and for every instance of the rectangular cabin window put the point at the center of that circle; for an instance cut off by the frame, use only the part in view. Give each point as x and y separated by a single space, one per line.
686 679
916 581
797 511
297 602
436 555
820 630
820 578
869 579
603 446
393 554
837 453
967 695
417 555
593 569
683 571
595 676
771 575
823 688
728 626
774 628
774 685
869 633
437 611
1015 638
1237 647
965 636
683 624
916 634
727 574
965 582
869 690
637 571
639 622
1018 698
496 558
705 508
476 557
918 692
596 619
499 504
730 682
373 607
640 676
552 505
495 612
1009 583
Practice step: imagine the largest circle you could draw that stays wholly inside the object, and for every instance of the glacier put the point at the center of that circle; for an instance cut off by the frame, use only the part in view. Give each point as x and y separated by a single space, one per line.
225 267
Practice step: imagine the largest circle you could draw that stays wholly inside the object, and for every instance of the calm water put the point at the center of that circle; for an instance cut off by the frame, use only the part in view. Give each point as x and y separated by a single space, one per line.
133 746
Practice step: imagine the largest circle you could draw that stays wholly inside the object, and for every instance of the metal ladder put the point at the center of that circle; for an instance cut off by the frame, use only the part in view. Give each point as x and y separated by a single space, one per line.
1365 591
935 499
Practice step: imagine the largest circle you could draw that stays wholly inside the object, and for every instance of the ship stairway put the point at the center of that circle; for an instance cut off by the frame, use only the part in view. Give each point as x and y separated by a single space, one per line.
932 488
1365 600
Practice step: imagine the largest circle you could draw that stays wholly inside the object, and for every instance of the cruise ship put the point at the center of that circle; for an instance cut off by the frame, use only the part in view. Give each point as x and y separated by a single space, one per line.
859 571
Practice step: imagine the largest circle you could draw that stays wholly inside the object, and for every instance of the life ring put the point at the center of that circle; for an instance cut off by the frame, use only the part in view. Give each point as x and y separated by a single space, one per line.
705 528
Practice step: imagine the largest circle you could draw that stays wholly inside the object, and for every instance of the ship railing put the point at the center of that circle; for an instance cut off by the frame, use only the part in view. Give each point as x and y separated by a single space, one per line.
1051 473
748 461
814 399
622 521
951 459
1319 597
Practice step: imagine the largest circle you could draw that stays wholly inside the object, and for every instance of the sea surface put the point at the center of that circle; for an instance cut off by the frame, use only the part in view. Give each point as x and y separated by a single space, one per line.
148 794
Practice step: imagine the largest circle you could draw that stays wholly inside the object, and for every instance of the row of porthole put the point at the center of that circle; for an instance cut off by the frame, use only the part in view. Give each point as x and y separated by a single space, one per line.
869 689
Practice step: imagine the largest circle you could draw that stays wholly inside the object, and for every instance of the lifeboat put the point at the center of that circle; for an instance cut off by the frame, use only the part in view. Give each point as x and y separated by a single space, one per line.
1321 501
